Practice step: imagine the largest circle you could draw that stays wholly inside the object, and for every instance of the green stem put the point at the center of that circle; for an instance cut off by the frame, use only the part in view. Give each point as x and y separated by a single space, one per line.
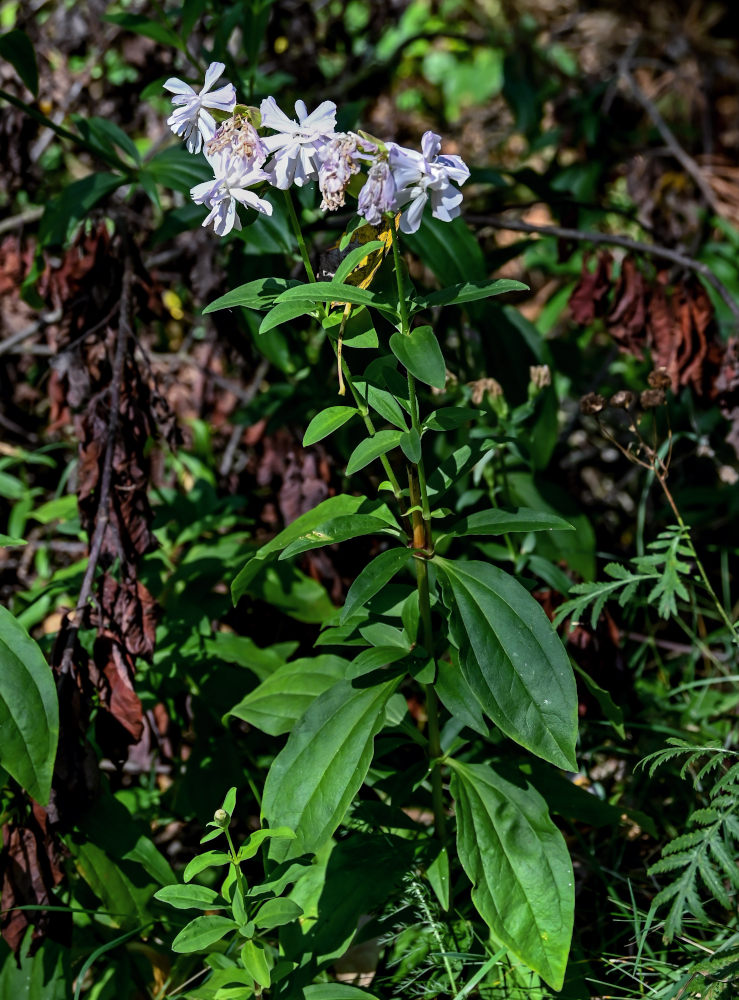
699 565
364 413
237 866
299 236
432 702
402 301
413 398
295 223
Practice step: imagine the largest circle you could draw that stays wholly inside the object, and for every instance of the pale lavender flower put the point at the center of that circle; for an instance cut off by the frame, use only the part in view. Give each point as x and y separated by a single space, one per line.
298 144
339 162
239 137
378 194
191 120
424 175
233 176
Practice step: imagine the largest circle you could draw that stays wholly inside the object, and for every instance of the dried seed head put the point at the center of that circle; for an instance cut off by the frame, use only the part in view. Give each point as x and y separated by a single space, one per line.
592 403
622 400
659 379
652 398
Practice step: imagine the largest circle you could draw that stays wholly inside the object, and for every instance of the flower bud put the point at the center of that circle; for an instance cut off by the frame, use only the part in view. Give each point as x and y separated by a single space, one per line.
221 818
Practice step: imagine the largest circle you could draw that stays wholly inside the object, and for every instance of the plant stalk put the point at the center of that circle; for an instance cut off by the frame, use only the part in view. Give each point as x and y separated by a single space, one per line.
432 702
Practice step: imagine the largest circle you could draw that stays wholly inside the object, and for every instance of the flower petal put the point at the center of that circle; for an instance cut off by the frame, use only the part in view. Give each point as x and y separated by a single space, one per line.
176 86
211 75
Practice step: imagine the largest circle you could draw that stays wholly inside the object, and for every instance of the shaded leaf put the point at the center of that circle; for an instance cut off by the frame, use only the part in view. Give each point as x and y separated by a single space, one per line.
469 291
372 579
16 47
280 700
29 712
337 529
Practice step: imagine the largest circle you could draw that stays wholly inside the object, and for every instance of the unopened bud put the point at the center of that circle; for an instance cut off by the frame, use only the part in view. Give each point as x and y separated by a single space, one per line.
221 818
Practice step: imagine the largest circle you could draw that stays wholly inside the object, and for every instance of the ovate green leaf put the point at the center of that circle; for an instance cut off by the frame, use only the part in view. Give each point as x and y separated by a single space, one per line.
189 897
259 294
499 522
255 961
519 866
276 912
371 448
513 659
201 933
336 292
333 506
210 859
314 778
337 529
419 351
326 422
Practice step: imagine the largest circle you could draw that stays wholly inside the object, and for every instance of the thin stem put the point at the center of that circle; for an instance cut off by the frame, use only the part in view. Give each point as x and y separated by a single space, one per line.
299 236
422 532
588 236
413 398
402 301
699 565
432 702
234 861
295 223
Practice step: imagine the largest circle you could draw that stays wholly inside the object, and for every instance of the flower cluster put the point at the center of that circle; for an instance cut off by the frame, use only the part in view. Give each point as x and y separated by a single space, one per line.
303 149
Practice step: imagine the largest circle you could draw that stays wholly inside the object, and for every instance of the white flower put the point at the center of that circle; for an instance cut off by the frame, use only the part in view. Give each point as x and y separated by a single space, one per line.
233 176
190 119
298 144
419 176
378 194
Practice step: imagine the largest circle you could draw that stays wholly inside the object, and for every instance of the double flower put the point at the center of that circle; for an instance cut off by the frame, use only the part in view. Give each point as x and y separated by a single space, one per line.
304 149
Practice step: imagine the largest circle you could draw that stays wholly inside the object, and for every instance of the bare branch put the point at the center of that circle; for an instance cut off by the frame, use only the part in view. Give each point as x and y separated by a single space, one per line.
684 159
585 236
